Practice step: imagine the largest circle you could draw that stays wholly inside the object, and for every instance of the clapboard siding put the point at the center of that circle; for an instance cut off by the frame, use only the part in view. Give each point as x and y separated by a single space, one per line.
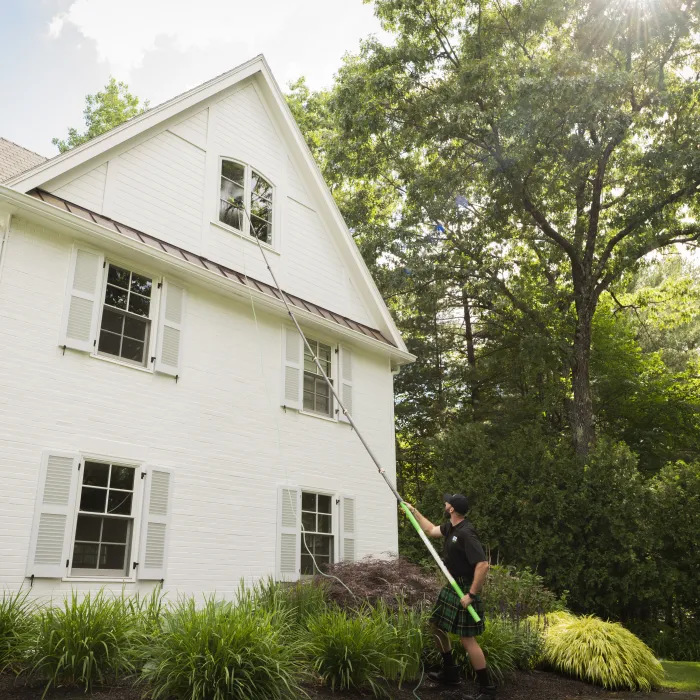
220 427
159 188
193 129
87 190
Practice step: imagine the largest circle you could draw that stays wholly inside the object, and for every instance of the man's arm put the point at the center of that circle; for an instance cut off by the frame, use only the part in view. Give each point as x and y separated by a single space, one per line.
480 571
427 527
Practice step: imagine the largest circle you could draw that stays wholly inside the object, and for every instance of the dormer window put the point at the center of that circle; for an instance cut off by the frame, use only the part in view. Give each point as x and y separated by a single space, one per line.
246 200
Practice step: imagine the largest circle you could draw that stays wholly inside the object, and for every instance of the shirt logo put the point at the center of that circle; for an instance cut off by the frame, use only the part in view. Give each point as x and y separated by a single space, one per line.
454 538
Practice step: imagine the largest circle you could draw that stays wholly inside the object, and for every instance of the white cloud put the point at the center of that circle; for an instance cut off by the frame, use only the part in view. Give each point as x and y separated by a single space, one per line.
124 32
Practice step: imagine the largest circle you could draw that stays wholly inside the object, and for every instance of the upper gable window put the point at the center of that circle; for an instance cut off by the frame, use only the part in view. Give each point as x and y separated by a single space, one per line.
245 200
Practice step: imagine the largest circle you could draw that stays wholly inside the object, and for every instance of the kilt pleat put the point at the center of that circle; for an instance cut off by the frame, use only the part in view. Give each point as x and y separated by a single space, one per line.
449 615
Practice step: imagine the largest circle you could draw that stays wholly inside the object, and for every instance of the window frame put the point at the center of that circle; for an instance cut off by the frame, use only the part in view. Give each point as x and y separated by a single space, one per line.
334 376
335 523
248 198
136 515
153 315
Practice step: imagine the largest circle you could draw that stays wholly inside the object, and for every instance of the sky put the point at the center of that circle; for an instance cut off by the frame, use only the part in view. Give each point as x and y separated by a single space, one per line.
54 52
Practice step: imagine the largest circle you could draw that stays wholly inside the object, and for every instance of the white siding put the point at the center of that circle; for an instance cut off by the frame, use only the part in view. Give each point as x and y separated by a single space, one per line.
87 190
159 189
193 129
220 427
296 186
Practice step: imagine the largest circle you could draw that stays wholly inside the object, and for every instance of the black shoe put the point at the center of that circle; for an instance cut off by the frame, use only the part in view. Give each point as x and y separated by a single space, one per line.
484 693
448 676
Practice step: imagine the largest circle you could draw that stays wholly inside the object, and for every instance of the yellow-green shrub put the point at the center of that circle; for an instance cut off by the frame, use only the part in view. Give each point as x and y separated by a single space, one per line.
603 653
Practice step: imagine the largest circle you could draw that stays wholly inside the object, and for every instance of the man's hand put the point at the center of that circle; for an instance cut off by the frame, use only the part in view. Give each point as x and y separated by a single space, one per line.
466 601
410 507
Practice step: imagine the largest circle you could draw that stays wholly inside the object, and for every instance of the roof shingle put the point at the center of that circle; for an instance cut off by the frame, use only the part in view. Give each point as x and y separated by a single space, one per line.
15 160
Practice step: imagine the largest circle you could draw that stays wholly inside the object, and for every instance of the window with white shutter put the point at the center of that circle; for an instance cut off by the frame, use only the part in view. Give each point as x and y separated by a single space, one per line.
345 374
155 524
288 525
82 300
293 368
347 535
50 541
172 313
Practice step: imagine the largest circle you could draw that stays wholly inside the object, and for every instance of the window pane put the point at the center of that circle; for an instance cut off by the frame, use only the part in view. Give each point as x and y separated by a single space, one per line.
309 401
118 276
109 343
135 328
133 350
85 556
93 500
140 284
112 321
96 474
324 504
324 523
122 477
88 528
119 503
232 193
260 186
231 216
322 545
310 366
233 171
263 229
139 305
116 297
114 530
308 501
113 556
323 562
261 210
308 522
323 405
322 388
307 565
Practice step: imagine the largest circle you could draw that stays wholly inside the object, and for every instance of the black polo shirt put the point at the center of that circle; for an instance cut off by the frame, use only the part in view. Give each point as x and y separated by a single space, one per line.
463 551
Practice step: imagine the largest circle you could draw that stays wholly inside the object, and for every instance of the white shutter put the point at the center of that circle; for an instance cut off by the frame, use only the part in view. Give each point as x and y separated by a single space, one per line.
345 374
82 300
293 379
288 534
347 529
172 314
155 524
54 513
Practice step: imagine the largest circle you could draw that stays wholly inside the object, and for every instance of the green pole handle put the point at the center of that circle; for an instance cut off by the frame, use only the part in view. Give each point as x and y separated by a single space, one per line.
439 561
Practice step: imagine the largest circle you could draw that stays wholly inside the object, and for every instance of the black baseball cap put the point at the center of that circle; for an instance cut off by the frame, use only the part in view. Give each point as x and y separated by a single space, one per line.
457 501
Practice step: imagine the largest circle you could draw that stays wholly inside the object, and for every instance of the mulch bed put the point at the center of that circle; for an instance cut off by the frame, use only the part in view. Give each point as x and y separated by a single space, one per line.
537 685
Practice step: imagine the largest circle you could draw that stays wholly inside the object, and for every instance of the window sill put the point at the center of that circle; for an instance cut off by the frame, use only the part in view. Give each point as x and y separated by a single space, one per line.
121 363
245 237
96 579
320 416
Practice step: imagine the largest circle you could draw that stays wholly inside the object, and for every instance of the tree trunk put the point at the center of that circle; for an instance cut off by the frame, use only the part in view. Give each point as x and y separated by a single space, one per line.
582 409
471 355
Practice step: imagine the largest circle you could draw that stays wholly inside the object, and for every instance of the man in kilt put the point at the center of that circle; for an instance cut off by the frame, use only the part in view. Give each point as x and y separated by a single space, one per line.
465 560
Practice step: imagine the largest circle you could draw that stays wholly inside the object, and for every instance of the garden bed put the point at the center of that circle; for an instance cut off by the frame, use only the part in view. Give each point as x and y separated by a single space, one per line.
536 685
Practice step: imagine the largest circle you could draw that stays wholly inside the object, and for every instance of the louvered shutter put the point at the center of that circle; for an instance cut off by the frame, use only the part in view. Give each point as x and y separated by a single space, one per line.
293 378
288 534
172 314
345 374
347 529
155 524
54 513
82 300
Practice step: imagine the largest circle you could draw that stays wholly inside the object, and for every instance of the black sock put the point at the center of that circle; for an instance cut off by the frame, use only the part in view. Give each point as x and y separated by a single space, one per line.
447 659
482 676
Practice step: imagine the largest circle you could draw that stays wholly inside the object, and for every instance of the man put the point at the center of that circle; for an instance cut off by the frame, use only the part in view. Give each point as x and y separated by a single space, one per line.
465 560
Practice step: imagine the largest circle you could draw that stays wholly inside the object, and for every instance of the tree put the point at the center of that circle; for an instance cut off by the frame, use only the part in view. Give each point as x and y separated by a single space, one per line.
103 111
567 131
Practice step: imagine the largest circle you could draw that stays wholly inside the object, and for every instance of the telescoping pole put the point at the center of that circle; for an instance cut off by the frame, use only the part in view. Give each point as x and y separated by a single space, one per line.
381 471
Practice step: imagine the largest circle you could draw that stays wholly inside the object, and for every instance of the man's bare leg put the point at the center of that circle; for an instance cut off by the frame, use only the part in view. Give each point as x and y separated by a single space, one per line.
478 662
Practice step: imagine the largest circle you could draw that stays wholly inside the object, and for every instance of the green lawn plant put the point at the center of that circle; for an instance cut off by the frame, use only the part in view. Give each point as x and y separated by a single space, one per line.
351 650
89 639
602 653
223 650
16 624
682 675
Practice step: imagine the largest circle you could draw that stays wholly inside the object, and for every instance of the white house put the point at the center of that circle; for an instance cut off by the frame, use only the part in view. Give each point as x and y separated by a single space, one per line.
160 423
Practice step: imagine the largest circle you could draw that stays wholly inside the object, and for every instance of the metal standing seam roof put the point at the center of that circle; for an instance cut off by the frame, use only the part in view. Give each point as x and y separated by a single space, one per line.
15 159
199 261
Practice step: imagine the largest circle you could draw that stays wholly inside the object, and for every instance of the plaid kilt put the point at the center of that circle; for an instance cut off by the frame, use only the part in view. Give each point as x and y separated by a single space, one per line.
449 615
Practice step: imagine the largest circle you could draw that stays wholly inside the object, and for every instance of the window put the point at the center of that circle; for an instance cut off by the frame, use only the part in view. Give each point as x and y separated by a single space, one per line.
126 325
245 200
105 525
316 532
317 393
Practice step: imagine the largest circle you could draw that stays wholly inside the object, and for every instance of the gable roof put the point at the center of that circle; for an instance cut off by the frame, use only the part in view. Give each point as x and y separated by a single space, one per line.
15 159
202 262
152 121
